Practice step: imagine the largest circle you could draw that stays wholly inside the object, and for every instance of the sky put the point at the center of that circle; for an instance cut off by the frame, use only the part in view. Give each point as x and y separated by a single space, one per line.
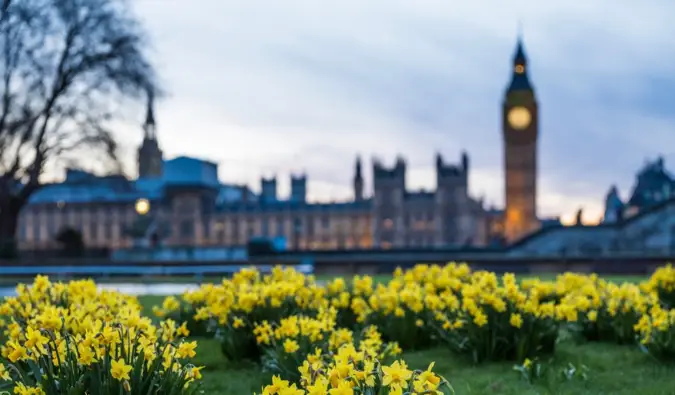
271 87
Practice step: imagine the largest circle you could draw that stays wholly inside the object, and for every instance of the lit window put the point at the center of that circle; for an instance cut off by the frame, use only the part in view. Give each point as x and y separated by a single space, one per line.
388 223
520 69
513 215
386 245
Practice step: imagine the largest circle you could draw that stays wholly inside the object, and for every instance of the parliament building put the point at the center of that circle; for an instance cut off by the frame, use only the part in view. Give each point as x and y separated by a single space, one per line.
181 202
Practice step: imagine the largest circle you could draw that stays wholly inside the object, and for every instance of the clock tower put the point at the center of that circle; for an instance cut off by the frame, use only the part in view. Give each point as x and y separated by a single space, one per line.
520 126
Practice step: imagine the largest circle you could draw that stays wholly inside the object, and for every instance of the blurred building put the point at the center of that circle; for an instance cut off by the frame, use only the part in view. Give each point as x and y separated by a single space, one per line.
181 202
653 186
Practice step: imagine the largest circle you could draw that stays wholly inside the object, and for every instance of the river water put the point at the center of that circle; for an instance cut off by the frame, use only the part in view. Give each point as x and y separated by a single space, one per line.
130 289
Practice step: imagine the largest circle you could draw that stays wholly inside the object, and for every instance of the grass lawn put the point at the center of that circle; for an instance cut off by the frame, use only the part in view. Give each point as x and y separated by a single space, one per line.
613 369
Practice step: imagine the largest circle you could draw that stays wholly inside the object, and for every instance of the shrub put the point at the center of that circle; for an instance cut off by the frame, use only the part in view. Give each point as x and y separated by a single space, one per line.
662 281
71 354
399 311
250 299
295 339
656 331
609 312
490 322
352 371
287 344
185 309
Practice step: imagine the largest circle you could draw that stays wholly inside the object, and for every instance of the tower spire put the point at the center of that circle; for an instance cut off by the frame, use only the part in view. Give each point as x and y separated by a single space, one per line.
150 126
150 157
358 180
519 78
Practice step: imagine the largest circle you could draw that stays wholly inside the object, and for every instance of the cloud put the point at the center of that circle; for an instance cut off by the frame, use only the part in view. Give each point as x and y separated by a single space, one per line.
294 85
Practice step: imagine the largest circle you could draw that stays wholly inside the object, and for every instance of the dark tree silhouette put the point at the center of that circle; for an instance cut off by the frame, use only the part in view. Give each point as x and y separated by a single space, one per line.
71 242
64 64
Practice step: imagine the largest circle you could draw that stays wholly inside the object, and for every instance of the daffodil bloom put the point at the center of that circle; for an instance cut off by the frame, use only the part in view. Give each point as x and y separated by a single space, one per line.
120 370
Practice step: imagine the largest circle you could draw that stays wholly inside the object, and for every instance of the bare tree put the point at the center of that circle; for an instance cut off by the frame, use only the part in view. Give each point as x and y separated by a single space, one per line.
65 65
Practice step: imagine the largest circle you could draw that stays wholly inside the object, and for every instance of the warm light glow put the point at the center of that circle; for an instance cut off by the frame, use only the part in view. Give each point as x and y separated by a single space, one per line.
519 118
631 211
520 69
142 206
513 215
568 220
571 220
388 224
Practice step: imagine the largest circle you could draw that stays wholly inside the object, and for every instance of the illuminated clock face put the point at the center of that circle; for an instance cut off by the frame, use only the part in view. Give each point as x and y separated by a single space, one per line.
519 118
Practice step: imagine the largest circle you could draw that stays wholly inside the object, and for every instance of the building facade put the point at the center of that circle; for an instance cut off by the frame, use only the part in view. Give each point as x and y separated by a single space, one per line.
181 202
653 185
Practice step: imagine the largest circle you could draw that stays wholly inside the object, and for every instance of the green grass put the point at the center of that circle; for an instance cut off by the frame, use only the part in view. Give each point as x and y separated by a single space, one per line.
613 369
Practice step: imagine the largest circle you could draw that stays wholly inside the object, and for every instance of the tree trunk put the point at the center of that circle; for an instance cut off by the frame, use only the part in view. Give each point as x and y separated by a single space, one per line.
9 220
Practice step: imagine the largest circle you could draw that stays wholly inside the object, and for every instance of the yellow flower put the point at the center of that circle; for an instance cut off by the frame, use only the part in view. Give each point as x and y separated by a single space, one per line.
344 388
480 319
16 351
516 320
238 323
35 340
182 330
4 374
396 374
291 346
292 390
428 376
120 370
86 355
592 315
320 387
22 389
186 350
277 385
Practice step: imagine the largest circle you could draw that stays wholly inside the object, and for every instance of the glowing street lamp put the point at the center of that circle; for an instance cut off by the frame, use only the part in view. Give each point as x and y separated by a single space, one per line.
142 206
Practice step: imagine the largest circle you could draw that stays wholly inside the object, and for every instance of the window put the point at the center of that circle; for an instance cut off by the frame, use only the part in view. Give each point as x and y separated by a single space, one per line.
388 223
250 228
187 229
207 230
297 224
280 227
23 230
51 225
93 232
396 197
265 227
325 222
108 231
